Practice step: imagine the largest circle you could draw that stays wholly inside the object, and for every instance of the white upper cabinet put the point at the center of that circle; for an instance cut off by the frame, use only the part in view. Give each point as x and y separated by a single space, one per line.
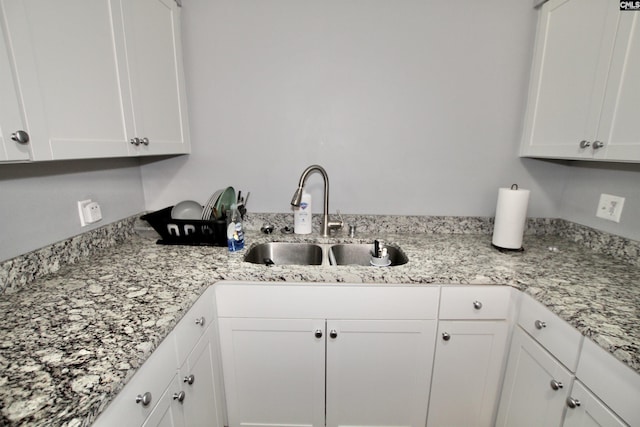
154 59
583 91
84 94
13 136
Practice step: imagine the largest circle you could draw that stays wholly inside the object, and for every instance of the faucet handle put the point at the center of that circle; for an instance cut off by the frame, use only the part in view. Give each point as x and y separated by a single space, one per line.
336 225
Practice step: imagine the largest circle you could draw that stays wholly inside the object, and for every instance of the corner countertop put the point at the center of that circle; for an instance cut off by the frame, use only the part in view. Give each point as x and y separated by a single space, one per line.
72 339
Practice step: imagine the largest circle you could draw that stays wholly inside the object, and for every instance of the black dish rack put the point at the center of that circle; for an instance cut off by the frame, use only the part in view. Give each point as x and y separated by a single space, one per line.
191 232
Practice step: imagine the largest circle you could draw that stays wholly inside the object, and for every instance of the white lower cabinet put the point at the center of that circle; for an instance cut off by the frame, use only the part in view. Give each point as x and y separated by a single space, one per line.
586 410
378 372
168 411
273 371
467 373
363 357
535 387
470 354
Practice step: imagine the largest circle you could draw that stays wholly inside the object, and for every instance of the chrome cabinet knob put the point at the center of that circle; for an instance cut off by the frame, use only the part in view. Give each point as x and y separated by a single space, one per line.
145 399
200 321
556 385
539 324
584 143
446 336
135 141
20 136
572 403
598 144
477 305
318 333
333 333
179 396
189 379
144 141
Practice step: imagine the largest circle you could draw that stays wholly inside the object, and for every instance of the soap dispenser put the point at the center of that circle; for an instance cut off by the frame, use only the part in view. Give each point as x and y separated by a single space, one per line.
302 215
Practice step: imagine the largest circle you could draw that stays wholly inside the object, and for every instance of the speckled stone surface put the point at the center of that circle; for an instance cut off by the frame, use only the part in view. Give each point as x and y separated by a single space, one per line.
70 340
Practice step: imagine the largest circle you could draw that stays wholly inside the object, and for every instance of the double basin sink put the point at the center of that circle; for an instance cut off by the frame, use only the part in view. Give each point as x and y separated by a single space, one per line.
284 253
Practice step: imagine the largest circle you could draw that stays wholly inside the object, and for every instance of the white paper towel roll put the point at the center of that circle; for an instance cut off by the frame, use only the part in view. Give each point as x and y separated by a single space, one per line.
511 216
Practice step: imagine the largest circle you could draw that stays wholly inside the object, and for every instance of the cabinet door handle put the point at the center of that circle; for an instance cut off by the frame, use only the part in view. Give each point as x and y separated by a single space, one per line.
20 136
446 336
539 324
190 379
179 396
572 403
318 333
144 141
556 385
135 141
584 143
477 305
598 144
333 333
200 321
145 399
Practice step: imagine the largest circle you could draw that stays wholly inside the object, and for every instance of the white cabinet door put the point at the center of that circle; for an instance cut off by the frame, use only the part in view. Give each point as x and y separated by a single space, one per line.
273 371
202 404
378 372
619 124
467 373
10 116
169 411
68 76
535 387
570 65
586 410
154 58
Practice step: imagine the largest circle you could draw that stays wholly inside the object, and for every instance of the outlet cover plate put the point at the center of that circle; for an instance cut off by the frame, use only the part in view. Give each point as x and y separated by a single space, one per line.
610 207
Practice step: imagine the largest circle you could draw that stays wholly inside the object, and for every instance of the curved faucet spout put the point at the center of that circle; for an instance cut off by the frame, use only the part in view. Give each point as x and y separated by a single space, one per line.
297 197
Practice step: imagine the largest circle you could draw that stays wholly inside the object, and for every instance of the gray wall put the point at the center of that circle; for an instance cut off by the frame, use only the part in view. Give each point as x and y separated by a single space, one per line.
413 107
584 184
39 200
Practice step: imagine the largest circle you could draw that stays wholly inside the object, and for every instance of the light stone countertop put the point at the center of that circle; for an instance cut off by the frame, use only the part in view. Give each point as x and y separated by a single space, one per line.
71 340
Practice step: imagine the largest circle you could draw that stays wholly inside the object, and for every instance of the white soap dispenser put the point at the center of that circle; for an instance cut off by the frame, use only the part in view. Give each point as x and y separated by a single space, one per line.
302 215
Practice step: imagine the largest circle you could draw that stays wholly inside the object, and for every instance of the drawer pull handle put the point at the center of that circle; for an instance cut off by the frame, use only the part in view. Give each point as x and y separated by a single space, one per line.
189 379
145 399
446 336
477 305
200 321
572 403
539 324
179 396
556 385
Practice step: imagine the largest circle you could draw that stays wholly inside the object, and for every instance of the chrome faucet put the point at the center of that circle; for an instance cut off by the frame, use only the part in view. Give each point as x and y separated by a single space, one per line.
327 225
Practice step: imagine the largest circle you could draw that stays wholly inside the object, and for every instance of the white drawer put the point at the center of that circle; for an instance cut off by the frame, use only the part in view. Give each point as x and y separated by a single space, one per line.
326 301
475 302
557 336
617 385
193 325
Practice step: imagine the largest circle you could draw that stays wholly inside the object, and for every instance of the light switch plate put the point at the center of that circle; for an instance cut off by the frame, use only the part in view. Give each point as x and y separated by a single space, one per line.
610 207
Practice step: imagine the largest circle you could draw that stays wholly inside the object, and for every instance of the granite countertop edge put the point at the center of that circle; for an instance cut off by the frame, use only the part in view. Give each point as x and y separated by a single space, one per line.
78 335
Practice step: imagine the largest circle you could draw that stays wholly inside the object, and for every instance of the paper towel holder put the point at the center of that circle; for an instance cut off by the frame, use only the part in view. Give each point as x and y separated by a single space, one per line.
514 186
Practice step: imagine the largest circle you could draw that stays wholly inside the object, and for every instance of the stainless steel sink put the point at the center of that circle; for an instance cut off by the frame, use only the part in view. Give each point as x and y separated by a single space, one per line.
360 254
285 253
282 253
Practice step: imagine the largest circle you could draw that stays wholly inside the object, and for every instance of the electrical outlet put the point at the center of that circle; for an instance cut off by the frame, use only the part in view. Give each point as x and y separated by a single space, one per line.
89 212
610 207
